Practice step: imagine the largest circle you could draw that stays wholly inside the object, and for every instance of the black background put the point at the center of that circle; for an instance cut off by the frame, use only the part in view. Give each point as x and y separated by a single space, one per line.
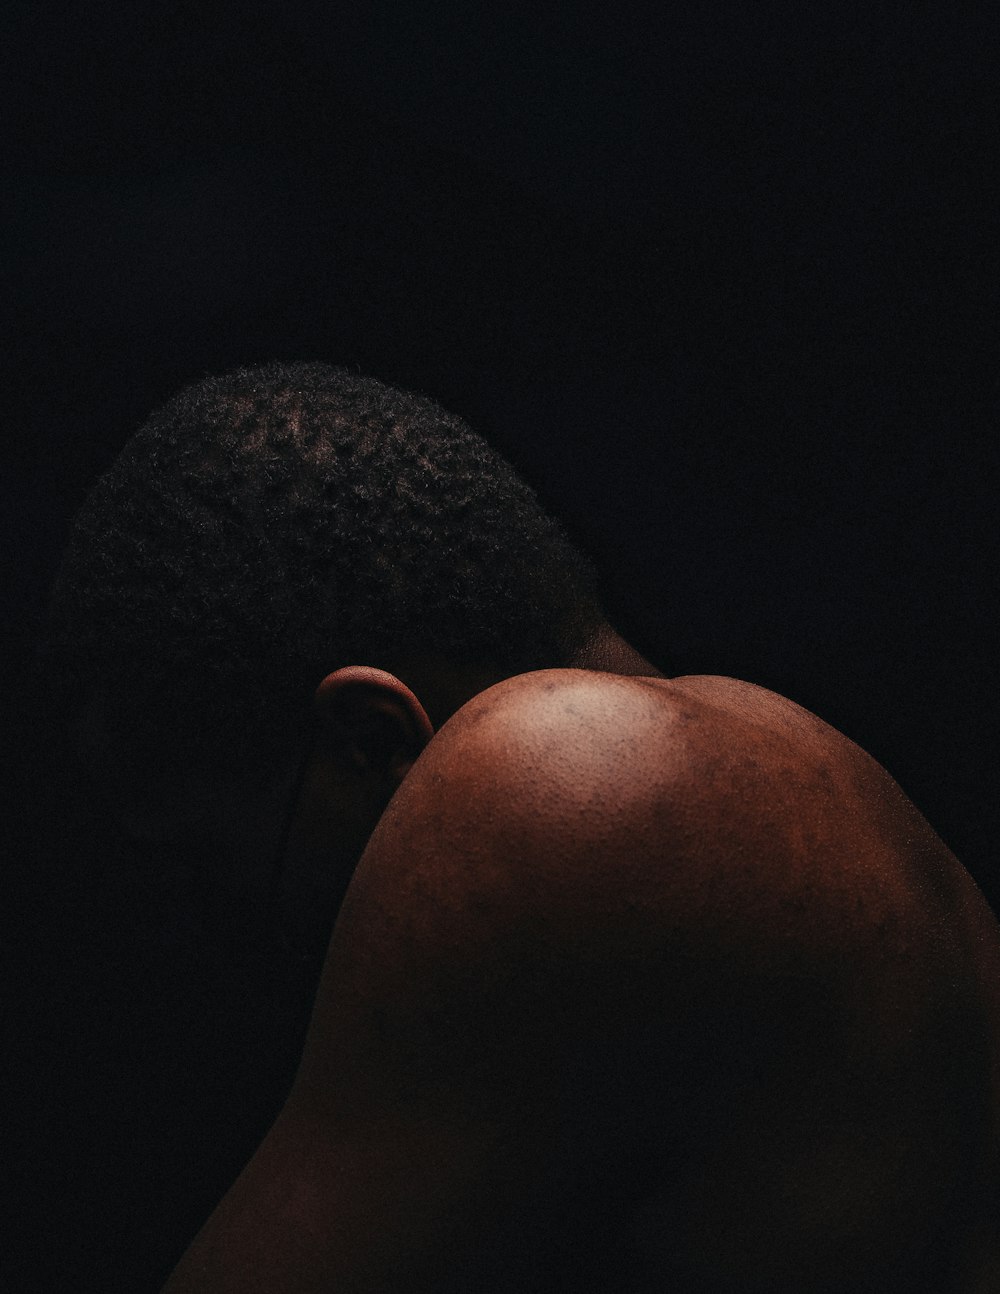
719 278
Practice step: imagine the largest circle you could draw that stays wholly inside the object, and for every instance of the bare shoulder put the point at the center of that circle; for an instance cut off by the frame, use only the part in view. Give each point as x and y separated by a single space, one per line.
700 742
715 711
689 750
703 801
705 795
647 975
611 921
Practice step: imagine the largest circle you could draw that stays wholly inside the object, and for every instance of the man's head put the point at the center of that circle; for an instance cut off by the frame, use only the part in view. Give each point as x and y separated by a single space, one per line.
261 532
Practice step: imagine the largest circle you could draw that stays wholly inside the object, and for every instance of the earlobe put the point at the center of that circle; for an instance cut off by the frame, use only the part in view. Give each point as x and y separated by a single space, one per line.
371 720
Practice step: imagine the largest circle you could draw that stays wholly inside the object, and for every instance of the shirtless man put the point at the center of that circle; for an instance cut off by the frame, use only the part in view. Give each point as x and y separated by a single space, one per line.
636 983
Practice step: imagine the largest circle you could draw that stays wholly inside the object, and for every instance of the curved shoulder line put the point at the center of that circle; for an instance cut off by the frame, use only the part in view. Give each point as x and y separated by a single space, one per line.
690 718
564 718
539 693
722 694
618 818
728 779
554 755
702 771
745 698
685 726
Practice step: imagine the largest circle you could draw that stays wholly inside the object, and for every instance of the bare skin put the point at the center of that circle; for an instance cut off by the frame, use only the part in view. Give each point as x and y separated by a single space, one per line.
639 984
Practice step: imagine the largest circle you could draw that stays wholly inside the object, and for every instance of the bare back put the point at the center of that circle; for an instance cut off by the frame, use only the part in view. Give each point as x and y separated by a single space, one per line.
640 985
884 1140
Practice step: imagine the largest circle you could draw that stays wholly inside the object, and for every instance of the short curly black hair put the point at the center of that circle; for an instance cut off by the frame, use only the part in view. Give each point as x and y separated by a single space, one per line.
266 525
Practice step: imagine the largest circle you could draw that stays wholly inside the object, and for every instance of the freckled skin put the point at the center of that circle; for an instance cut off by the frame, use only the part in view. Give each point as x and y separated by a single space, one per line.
639 984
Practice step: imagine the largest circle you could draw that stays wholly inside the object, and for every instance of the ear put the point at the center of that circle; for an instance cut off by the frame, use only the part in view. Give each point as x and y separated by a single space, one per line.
371 722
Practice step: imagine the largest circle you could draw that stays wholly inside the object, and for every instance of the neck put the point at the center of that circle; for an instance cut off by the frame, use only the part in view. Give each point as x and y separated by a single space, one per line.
443 689
608 652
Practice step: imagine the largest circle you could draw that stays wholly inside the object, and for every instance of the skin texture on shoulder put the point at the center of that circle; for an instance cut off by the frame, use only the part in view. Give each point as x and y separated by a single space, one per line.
660 978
